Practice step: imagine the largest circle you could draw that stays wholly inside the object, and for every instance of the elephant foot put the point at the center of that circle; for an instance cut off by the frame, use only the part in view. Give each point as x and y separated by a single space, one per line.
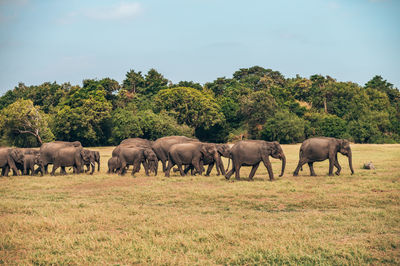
207 175
337 173
295 174
272 179
330 174
313 175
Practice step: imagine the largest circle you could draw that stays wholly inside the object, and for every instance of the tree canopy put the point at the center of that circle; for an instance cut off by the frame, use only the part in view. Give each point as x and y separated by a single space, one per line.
255 103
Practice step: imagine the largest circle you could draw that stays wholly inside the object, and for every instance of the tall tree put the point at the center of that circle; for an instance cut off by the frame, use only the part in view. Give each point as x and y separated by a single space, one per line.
23 118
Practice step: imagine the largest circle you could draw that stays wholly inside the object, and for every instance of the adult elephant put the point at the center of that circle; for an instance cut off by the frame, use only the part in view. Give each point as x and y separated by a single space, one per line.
322 148
136 156
137 141
162 146
223 150
49 150
194 154
90 159
70 156
251 153
151 160
9 159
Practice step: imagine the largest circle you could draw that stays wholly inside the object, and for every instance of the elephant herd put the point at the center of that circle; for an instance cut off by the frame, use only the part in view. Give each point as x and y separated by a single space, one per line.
59 153
186 153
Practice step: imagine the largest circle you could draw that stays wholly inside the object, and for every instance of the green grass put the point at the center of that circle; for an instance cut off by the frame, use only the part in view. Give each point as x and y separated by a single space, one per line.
109 219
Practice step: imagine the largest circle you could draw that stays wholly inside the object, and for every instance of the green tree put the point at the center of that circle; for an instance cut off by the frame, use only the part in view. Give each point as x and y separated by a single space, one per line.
133 81
189 106
283 127
154 82
84 115
22 119
257 107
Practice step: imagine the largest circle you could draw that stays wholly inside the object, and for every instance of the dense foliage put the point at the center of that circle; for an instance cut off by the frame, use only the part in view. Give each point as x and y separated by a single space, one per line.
255 103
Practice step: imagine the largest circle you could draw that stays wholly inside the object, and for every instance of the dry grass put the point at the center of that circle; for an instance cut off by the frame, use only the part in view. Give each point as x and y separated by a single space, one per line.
109 219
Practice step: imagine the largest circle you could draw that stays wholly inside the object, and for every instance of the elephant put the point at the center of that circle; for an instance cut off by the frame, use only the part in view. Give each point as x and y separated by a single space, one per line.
223 150
137 141
162 145
30 160
91 159
114 165
11 158
251 153
49 150
96 159
136 156
194 154
70 156
322 148
151 157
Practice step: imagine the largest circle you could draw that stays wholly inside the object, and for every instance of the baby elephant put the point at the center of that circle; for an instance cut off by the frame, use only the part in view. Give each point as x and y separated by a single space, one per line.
322 148
114 165
30 160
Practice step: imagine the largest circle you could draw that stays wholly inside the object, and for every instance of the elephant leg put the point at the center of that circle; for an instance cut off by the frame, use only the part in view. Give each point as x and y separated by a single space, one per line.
337 165
187 168
302 161
198 165
164 165
209 168
46 169
228 175
253 170
123 168
7 170
181 171
331 164
168 170
146 167
311 165
268 165
55 166
64 172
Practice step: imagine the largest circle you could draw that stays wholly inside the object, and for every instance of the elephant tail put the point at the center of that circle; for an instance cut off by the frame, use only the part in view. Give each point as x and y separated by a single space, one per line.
300 153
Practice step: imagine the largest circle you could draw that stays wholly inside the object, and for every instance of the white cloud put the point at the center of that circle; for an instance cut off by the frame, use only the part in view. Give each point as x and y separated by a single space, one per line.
123 10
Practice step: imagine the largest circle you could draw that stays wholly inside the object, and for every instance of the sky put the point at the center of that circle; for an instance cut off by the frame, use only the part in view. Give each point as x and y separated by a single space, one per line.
197 40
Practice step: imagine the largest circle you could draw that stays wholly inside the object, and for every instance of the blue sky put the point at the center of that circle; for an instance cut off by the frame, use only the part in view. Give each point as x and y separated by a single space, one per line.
198 40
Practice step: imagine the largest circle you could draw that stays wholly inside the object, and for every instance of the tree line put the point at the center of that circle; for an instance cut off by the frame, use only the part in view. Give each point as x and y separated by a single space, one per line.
255 103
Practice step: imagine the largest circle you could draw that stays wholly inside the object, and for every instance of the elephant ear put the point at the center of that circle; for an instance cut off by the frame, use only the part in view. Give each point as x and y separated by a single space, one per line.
206 149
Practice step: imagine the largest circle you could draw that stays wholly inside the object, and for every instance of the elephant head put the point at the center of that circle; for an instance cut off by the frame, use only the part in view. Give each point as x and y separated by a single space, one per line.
275 150
87 157
152 160
17 155
344 148
224 150
210 150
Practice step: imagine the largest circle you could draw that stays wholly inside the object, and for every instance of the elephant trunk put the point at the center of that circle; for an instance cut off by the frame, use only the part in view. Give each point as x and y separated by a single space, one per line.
351 163
283 158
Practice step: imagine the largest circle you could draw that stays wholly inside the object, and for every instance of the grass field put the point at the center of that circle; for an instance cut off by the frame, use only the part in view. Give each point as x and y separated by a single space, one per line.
109 219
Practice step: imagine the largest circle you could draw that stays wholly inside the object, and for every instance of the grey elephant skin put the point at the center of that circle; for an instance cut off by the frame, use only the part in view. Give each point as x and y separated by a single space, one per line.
251 153
194 154
135 156
114 165
90 159
70 156
49 150
30 160
322 148
9 159
223 150
150 162
162 145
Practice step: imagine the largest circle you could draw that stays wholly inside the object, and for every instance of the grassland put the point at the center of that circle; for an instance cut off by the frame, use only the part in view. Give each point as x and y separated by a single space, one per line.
109 219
